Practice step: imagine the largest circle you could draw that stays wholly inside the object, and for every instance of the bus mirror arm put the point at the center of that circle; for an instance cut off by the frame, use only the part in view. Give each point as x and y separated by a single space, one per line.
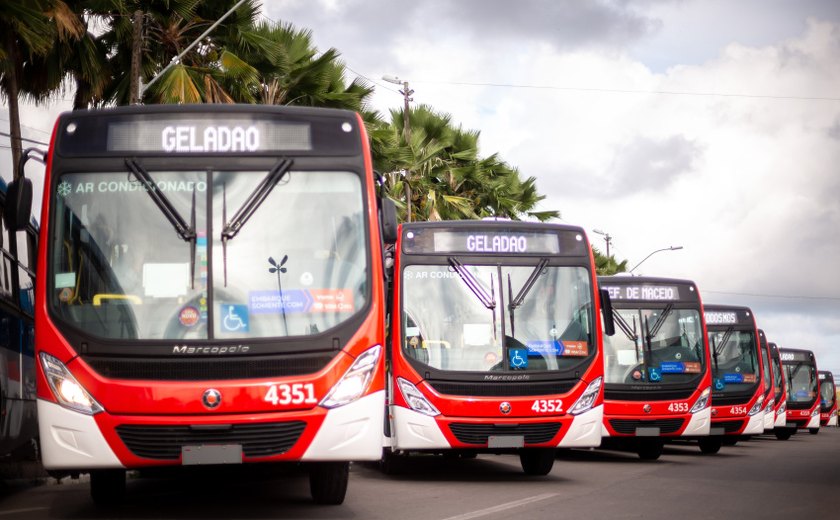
388 217
607 311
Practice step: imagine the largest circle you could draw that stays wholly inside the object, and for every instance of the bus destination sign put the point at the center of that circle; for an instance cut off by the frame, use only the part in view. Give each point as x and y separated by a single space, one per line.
796 356
721 317
199 135
644 292
481 241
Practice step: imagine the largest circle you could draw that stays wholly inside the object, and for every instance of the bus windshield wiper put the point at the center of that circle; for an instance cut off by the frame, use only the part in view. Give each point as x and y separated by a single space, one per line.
659 322
252 203
523 292
488 300
625 327
185 231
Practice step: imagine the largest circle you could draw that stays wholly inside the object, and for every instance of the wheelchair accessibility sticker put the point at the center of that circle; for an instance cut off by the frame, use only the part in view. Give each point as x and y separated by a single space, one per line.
234 317
518 358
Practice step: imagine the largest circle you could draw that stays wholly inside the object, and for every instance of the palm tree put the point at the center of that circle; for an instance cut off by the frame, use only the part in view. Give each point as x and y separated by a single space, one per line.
30 29
606 266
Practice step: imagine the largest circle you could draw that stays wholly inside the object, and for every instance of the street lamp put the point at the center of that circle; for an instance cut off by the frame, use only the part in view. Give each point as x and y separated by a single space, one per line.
607 239
406 92
672 248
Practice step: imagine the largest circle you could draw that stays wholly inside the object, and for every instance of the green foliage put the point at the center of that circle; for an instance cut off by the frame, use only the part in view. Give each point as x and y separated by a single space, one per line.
606 266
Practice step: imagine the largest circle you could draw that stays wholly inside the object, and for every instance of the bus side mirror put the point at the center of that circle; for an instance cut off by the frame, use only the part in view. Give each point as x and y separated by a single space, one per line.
607 311
18 206
388 214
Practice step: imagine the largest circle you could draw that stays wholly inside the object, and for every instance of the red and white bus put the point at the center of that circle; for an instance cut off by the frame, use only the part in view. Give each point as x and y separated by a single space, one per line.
737 375
496 343
767 370
828 399
213 293
779 388
657 368
803 402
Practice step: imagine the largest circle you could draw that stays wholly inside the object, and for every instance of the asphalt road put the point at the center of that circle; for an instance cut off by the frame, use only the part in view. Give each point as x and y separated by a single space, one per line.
763 478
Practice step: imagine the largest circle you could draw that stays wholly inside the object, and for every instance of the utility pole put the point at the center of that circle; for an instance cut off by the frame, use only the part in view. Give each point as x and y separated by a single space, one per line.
136 58
607 239
406 92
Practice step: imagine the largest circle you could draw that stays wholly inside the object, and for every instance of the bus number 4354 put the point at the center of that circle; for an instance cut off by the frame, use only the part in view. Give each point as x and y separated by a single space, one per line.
297 393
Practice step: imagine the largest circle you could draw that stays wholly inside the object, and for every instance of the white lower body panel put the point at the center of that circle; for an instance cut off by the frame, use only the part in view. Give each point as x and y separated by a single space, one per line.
781 420
769 419
814 422
72 440
585 430
832 421
416 431
351 432
700 423
755 425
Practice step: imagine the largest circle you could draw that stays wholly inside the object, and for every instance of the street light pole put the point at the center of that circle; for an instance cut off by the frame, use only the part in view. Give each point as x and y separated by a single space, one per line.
672 248
406 92
607 239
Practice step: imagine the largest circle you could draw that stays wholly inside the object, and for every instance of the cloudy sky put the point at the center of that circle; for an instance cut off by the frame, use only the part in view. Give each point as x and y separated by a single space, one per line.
708 124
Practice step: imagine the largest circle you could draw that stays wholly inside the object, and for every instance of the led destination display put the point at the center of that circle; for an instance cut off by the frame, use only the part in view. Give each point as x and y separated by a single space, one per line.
493 241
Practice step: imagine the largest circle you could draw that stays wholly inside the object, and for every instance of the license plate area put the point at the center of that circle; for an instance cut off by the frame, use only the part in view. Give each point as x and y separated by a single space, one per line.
211 454
648 431
506 441
717 431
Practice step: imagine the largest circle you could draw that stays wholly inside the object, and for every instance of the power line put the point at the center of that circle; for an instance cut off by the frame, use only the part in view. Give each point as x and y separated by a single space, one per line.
786 296
627 91
29 127
4 134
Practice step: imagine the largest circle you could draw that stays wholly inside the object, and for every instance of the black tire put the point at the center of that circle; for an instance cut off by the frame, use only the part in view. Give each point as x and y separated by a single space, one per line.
649 449
813 431
710 445
328 482
783 435
537 461
107 486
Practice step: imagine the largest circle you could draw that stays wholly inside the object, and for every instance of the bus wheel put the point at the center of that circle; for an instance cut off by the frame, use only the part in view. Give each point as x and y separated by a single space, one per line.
649 449
813 431
107 486
710 445
328 482
783 435
537 461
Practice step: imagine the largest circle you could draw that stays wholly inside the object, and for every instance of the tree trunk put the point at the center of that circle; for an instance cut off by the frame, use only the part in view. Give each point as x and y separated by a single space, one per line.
12 89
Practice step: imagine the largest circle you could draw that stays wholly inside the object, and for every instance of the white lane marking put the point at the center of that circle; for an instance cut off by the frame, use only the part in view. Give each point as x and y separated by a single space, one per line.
18 511
502 507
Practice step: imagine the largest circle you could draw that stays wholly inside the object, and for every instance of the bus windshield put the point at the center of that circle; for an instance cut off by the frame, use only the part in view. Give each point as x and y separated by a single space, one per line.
777 377
802 382
735 360
451 325
827 394
674 353
120 269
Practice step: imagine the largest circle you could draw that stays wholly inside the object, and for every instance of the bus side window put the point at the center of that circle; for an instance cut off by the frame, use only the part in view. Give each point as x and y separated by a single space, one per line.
5 263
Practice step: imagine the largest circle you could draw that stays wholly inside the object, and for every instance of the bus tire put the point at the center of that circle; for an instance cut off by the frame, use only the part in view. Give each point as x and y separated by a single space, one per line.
537 461
649 449
783 435
107 486
709 445
328 482
813 431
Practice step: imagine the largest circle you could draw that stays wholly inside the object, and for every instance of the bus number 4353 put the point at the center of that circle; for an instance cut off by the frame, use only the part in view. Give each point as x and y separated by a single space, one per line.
297 393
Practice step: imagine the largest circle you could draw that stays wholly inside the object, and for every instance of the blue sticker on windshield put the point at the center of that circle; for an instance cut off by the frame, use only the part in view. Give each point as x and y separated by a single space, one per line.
719 384
733 378
655 374
518 358
672 367
234 317
552 347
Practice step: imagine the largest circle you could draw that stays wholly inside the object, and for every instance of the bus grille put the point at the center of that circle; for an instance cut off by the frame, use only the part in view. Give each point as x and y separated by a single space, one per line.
165 442
668 394
493 389
729 400
729 426
469 433
206 369
800 423
628 426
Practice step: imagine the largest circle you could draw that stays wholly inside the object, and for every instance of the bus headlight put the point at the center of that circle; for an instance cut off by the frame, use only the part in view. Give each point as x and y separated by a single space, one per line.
355 382
770 403
758 406
415 398
702 401
67 391
782 408
816 411
587 400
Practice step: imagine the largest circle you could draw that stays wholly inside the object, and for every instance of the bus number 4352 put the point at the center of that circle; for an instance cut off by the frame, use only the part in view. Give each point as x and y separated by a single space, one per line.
297 393
547 405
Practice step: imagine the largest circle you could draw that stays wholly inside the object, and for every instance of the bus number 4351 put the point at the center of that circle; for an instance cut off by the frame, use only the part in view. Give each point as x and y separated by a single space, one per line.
297 393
